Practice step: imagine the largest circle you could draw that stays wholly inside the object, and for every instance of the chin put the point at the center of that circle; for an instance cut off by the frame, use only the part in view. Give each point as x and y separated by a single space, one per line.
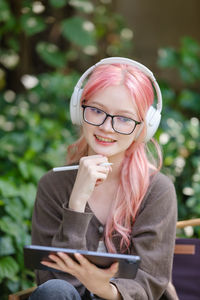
101 151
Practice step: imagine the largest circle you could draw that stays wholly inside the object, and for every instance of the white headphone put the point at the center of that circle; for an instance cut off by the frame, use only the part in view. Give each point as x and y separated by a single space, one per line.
153 116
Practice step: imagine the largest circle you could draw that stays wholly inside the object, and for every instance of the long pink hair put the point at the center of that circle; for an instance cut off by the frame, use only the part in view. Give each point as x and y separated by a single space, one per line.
137 165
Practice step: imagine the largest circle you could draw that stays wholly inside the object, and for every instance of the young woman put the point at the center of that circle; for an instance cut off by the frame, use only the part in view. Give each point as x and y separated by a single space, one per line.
128 207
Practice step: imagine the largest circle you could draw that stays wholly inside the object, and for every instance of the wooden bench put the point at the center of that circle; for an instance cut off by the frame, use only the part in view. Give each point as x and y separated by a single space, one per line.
22 295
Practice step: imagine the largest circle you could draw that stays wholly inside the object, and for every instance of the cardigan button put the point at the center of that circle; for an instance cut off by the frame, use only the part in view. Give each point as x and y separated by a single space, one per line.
101 229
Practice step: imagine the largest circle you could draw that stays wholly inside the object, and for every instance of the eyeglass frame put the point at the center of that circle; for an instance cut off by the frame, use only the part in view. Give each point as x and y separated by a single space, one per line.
111 116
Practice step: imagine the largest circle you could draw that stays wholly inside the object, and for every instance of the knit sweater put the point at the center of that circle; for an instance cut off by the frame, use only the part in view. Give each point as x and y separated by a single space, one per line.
152 236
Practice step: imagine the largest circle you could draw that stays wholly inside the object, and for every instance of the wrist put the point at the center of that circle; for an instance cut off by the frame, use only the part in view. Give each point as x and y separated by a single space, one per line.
77 204
111 293
116 294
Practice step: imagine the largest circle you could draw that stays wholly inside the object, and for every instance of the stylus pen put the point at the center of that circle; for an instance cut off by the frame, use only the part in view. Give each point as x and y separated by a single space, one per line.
69 168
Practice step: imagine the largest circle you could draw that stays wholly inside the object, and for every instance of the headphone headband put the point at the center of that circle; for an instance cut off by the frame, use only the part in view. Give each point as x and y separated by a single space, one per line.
128 61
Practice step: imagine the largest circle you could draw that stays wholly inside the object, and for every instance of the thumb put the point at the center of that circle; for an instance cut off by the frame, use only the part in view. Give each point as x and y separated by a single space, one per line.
114 267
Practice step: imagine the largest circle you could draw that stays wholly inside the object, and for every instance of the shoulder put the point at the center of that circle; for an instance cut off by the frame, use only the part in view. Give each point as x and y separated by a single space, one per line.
57 180
54 189
160 182
161 191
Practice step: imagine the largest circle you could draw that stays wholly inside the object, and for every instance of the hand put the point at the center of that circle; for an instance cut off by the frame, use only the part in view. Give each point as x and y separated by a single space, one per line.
90 174
95 279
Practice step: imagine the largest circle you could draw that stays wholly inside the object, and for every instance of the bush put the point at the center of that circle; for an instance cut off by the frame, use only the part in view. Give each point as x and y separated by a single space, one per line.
180 133
42 43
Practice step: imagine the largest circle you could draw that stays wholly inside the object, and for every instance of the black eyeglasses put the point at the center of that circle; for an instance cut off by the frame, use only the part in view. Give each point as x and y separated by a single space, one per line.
95 116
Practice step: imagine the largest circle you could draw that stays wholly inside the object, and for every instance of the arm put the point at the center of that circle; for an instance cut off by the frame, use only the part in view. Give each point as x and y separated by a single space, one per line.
48 229
153 238
54 223
57 225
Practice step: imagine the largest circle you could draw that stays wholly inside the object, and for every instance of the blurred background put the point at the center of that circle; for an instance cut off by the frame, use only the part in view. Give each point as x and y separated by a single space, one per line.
44 48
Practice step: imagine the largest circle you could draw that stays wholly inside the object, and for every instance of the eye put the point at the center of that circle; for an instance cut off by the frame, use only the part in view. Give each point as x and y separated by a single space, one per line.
124 119
96 110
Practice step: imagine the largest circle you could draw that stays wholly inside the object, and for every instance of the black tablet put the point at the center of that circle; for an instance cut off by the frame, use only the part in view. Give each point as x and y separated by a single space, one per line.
128 264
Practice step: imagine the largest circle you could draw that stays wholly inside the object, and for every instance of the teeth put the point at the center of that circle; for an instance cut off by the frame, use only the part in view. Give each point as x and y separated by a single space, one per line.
104 139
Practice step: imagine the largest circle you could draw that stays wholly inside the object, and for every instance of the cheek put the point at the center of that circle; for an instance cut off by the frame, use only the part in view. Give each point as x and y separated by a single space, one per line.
127 141
87 130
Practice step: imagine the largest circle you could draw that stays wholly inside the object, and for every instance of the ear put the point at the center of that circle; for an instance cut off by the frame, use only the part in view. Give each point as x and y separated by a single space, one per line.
75 106
153 118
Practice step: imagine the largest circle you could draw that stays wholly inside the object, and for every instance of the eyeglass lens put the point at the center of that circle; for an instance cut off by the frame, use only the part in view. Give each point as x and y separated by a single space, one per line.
97 117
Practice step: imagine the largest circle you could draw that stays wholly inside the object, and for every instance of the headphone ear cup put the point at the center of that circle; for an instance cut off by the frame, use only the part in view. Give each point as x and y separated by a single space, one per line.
153 118
75 107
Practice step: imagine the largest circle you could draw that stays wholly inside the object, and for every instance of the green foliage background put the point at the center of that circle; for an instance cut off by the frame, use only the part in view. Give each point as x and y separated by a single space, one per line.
45 46
180 134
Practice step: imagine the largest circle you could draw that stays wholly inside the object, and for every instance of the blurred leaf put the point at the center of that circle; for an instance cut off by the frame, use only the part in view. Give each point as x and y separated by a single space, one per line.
13 141
14 286
58 3
55 155
4 11
186 59
29 170
8 267
14 208
9 26
168 93
73 30
8 189
13 43
6 246
54 80
51 55
190 100
168 58
24 169
37 172
36 143
189 45
32 24
28 193
190 74
8 226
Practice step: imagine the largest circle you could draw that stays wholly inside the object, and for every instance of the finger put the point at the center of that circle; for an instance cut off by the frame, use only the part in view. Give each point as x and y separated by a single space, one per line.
99 176
51 265
111 271
98 182
114 268
103 169
84 262
93 157
69 262
93 160
58 261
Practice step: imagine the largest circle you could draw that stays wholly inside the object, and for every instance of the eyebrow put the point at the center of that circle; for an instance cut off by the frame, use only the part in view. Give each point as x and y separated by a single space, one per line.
118 113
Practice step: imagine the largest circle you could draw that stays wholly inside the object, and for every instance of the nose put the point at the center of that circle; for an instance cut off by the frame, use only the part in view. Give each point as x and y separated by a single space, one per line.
107 124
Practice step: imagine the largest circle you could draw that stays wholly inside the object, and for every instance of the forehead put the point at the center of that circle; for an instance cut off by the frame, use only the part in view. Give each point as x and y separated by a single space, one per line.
114 98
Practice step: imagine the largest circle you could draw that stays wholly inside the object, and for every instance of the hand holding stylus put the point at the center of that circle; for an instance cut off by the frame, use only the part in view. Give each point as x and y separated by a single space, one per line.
92 170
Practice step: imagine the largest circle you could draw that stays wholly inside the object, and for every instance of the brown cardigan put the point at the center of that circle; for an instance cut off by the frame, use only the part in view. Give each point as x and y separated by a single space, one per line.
153 233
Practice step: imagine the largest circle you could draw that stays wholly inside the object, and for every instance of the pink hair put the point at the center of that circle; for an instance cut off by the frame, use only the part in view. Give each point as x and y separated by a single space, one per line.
136 166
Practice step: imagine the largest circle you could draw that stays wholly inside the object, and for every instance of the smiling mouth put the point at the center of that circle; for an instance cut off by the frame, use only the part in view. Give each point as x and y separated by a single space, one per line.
102 139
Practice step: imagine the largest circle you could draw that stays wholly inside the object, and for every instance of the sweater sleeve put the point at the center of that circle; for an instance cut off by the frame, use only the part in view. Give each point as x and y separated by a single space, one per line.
153 239
53 224
72 230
